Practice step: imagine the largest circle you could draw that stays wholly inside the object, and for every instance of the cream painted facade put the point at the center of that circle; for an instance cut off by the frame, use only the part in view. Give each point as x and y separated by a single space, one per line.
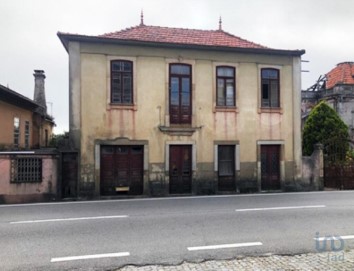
95 122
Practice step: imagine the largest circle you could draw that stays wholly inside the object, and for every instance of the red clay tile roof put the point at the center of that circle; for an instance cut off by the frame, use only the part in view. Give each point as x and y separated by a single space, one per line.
158 34
342 74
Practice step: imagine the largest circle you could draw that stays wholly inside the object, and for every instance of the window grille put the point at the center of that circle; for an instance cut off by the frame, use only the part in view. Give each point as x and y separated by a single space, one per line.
26 170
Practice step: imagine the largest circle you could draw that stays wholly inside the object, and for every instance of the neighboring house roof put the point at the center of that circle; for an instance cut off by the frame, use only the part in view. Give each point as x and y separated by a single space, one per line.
157 36
342 74
14 98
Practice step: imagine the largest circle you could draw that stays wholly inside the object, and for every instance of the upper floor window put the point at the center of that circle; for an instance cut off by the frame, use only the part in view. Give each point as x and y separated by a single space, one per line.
180 94
270 88
122 82
225 86
16 132
27 134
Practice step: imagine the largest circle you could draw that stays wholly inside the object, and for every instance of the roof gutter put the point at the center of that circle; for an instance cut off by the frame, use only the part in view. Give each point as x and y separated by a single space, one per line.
66 38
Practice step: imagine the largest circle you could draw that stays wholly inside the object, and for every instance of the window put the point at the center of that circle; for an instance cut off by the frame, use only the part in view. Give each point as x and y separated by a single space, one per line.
270 88
46 137
26 170
27 134
121 82
180 94
226 168
226 155
16 132
225 86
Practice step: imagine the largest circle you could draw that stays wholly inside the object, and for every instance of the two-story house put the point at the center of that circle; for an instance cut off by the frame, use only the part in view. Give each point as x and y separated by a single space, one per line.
158 110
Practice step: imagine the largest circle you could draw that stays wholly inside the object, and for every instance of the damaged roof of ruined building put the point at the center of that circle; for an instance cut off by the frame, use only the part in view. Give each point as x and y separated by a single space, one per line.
342 74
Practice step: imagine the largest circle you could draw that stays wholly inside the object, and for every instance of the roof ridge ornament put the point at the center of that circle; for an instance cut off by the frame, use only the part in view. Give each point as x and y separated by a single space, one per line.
142 18
220 24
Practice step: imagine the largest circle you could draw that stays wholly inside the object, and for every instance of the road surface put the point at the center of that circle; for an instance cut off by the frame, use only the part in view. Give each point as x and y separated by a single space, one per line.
107 234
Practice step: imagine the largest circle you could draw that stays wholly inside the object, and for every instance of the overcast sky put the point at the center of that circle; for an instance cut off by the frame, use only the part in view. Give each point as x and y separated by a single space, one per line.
28 28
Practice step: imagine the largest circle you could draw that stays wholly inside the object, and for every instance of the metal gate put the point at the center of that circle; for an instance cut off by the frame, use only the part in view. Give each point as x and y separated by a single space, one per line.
180 169
122 170
338 166
69 166
339 176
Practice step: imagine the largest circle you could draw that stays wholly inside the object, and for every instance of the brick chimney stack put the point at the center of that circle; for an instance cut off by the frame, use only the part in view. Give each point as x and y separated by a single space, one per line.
39 90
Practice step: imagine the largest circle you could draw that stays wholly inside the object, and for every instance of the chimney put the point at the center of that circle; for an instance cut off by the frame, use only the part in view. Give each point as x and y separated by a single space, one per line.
39 91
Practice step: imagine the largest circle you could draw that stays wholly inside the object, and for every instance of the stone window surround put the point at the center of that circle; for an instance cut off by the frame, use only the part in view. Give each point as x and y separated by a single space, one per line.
235 143
111 106
179 60
225 108
259 91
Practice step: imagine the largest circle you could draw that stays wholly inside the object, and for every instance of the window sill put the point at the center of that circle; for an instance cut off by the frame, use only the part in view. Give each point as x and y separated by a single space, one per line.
226 109
122 107
270 110
180 131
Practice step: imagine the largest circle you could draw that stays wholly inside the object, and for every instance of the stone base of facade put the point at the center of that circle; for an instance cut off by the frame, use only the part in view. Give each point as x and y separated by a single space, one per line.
17 199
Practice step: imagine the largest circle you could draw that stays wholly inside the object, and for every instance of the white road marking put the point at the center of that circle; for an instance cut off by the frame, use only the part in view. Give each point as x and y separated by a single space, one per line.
225 246
281 208
87 257
68 219
334 237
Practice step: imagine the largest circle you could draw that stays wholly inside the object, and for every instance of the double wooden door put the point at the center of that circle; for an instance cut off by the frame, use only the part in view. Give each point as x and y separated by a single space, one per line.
122 170
180 165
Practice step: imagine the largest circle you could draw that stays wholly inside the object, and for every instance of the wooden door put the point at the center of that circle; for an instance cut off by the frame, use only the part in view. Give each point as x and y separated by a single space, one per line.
122 170
180 169
270 167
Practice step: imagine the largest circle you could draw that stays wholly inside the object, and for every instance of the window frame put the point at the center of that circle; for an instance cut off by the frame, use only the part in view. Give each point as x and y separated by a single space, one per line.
121 74
269 83
17 128
27 134
180 79
222 161
224 78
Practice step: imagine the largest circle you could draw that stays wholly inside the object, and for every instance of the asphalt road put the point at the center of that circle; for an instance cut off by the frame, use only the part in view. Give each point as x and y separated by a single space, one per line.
104 235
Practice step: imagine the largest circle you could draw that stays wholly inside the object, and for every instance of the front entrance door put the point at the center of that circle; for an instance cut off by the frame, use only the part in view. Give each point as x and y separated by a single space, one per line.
180 169
270 167
122 170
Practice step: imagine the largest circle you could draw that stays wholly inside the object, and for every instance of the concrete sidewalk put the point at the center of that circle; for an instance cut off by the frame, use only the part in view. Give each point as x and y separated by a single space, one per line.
341 261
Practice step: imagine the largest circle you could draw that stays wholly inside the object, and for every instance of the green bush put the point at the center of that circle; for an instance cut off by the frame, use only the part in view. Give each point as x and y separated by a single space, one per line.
325 126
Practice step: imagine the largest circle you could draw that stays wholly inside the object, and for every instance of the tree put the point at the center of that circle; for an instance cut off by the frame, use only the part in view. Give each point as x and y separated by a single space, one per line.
58 140
325 126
